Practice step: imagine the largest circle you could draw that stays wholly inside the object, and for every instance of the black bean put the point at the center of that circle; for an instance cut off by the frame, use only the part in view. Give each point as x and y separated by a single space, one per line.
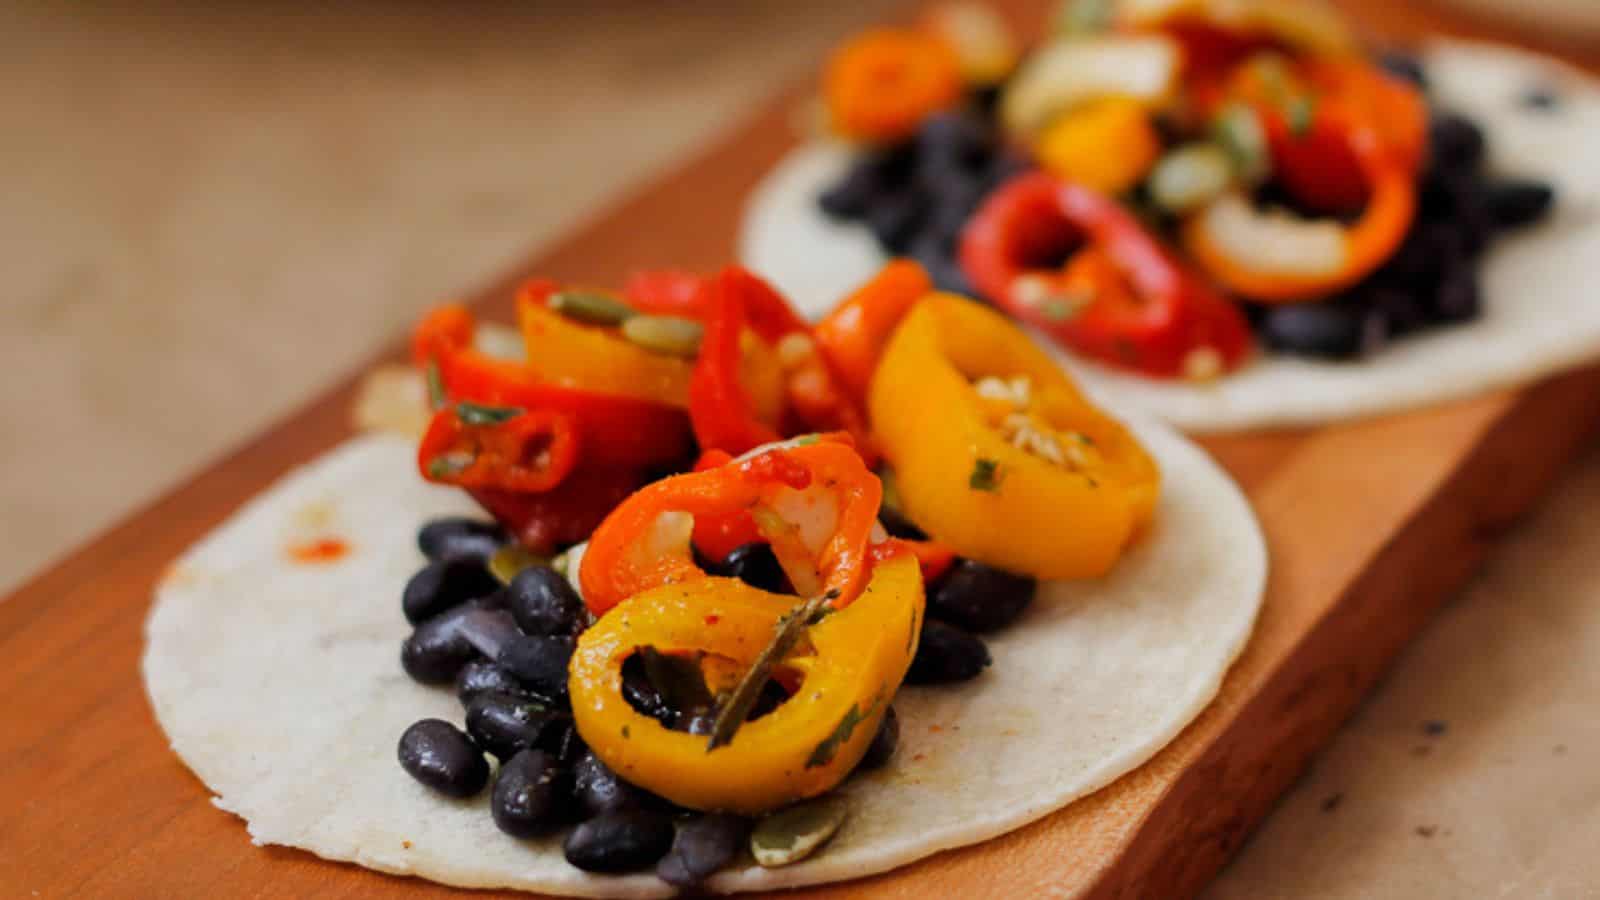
623 840
895 522
957 198
1332 330
505 724
540 662
756 565
896 219
443 585
1002 168
642 695
851 196
481 675
703 845
544 602
440 756
1408 310
1517 202
487 630
532 795
460 538
598 790
1404 66
954 139
947 654
437 649
980 598
562 741
1540 97
884 743
938 257
1458 298
771 697
1456 142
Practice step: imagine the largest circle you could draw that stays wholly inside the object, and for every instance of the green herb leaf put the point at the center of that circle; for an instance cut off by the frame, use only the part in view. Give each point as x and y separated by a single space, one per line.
436 397
985 476
449 464
477 414
789 629
829 748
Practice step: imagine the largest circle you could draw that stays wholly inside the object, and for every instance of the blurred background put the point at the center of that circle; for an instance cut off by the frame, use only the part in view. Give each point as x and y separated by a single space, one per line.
213 211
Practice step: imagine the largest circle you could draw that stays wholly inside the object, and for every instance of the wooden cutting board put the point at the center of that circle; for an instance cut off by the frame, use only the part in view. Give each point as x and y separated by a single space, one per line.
1370 526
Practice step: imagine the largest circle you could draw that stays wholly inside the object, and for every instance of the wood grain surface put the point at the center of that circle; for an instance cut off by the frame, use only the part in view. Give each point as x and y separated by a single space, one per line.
1370 525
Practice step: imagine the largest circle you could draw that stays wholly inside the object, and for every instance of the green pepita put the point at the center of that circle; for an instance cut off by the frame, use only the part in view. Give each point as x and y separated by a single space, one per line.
792 834
479 414
671 335
594 308
511 559
1189 177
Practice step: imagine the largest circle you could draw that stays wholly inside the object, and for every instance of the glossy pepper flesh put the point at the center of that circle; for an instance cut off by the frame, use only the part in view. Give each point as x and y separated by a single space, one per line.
815 502
846 670
593 357
740 307
853 335
1137 308
969 465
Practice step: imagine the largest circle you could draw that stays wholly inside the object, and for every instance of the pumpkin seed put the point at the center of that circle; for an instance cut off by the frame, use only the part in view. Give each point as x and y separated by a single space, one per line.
1189 177
508 561
671 335
594 308
792 834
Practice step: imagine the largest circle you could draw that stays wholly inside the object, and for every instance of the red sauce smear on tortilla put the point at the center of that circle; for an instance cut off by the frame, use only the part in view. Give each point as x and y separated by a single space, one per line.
320 550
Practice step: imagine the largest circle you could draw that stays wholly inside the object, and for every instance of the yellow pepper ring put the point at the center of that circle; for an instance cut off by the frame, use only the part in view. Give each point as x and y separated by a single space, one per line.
850 667
1027 514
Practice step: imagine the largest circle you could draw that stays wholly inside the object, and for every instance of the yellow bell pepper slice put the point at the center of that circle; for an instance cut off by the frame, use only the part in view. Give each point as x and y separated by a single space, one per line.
1108 145
596 358
975 470
850 665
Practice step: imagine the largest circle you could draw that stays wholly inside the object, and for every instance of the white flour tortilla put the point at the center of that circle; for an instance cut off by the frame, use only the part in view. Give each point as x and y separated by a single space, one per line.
1542 305
280 685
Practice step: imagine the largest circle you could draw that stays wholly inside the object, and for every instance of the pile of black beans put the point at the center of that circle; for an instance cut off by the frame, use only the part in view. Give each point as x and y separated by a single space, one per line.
1432 281
916 196
968 600
506 648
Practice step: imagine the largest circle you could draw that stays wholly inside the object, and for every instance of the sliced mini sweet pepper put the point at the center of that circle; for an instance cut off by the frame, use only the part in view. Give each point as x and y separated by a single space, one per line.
563 515
815 502
882 83
847 667
1310 109
724 414
671 292
612 429
996 453
853 335
564 351
514 449
1129 304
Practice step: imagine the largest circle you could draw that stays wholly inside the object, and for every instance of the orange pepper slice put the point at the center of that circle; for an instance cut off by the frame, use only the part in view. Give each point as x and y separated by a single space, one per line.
880 85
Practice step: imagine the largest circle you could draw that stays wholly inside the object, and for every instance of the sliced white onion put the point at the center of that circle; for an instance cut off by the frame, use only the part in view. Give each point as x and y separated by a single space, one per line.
1066 73
1273 241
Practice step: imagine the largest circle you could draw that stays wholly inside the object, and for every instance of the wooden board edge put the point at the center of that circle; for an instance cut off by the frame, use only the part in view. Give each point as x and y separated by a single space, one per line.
1209 811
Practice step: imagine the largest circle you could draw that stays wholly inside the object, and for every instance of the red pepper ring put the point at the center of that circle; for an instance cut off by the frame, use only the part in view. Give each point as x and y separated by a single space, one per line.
821 494
667 292
720 410
1169 324
528 451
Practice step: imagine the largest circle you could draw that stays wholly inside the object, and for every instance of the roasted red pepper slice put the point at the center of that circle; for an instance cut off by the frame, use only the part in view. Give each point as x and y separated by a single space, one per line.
563 516
719 406
853 335
817 504
716 536
614 430
667 292
1145 313
512 449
